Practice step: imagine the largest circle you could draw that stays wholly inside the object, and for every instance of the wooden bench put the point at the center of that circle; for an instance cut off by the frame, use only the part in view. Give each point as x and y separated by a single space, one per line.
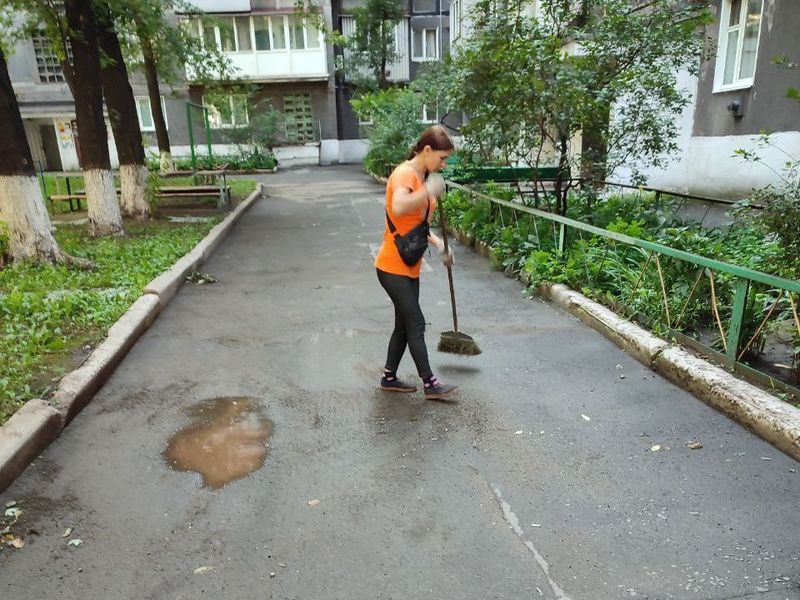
69 197
221 192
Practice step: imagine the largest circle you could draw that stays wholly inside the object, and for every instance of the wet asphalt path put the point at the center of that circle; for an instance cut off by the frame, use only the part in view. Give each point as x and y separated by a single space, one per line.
538 483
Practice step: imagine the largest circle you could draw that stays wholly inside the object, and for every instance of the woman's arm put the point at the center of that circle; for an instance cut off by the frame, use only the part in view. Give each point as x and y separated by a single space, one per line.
405 202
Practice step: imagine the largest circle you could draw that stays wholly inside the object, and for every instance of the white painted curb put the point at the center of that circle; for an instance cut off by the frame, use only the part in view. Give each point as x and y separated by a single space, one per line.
23 437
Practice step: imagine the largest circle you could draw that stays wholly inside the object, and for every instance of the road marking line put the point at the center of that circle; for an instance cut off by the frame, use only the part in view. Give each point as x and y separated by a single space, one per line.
513 523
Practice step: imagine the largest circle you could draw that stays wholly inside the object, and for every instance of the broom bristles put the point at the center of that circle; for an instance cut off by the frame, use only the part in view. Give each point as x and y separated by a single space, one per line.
453 342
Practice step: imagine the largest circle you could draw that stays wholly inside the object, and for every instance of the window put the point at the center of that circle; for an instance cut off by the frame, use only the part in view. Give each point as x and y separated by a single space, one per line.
740 25
209 35
261 25
227 38
145 113
297 35
455 19
47 63
430 114
312 36
424 6
231 111
278 33
298 117
424 44
243 41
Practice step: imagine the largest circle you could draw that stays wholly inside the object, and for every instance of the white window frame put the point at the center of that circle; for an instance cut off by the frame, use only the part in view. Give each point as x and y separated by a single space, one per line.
215 116
722 49
455 20
425 117
273 22
152 120
422 32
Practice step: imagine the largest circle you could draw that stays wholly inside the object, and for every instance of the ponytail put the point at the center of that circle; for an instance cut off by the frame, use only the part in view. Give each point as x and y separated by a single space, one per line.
436 137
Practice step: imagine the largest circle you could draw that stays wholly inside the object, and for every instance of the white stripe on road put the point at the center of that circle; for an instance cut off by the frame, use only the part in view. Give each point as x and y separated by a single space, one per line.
513 523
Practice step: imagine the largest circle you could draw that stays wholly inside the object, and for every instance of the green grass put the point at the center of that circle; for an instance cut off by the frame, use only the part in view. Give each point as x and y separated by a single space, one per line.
49 312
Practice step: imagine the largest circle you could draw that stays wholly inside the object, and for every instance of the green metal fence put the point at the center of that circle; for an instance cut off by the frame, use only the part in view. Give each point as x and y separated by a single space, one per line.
744 279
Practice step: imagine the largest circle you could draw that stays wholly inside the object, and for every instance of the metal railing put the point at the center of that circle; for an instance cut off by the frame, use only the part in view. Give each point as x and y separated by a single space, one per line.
743 278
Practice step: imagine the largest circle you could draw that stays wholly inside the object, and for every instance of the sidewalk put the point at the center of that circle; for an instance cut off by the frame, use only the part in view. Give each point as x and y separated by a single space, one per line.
540 482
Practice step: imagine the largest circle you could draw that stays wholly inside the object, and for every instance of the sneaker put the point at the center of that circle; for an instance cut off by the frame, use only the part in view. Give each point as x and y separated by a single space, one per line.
397 385
439 390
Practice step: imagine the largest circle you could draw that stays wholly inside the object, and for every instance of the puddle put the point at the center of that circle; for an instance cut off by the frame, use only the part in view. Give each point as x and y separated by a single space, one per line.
226 440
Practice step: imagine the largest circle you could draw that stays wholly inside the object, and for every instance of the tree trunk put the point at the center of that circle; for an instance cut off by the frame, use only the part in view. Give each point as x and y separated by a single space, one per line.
151 75
594 146
104 215
124 121
21 203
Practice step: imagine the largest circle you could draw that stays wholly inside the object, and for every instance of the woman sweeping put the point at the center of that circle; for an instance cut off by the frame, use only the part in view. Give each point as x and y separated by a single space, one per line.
411 194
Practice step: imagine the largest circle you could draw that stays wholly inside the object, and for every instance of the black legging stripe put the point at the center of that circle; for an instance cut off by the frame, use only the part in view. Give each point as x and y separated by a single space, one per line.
409 322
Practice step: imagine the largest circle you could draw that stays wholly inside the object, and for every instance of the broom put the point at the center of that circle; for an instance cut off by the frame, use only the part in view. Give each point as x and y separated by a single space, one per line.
454 342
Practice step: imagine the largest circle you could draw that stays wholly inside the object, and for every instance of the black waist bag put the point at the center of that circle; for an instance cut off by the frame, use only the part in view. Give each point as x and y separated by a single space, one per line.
412 245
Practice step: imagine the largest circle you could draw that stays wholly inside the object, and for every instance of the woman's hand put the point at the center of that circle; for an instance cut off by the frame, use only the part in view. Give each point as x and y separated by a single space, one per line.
447 257
434 183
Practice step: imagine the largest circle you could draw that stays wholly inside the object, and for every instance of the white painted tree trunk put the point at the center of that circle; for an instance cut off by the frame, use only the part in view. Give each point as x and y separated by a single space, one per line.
166 163
134 201
22 208
104 215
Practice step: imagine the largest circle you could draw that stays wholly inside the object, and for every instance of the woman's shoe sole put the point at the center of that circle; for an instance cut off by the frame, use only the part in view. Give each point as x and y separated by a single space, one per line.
400 390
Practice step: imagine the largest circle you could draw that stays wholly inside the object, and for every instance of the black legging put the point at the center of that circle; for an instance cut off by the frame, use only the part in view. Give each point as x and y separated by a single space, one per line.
409 322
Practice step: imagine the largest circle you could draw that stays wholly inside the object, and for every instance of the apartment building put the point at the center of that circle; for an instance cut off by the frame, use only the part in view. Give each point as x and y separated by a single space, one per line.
740 92
421 37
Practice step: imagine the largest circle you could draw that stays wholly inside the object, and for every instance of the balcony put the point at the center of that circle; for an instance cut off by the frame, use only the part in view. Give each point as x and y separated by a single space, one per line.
266 47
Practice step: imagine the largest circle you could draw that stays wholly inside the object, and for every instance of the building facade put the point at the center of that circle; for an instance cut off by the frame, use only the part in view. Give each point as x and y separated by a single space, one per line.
740 93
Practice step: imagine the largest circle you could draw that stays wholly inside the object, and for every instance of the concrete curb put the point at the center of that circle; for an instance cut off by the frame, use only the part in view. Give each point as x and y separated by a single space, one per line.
166 285
78 387
24 436
34 426
768 417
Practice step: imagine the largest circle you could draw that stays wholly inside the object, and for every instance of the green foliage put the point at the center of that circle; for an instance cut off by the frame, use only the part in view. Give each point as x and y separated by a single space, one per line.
779 202
530 110
623 276
395 126
4 247
245 161
48 311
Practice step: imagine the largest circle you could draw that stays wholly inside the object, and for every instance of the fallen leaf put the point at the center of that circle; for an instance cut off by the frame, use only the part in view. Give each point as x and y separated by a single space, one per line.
201 570
655 448
586 417
74 542
694 445
13 512
11 503
619 367
313 502
66 533
17 543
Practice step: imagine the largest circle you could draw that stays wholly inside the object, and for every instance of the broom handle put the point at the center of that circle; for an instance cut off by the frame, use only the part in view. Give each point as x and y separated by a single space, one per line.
449 269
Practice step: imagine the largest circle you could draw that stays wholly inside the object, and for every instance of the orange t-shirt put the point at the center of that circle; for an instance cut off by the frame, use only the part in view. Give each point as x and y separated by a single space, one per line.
388 258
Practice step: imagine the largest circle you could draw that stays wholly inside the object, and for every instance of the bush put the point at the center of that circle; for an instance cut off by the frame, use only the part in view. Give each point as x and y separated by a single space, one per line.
247 160
395 127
